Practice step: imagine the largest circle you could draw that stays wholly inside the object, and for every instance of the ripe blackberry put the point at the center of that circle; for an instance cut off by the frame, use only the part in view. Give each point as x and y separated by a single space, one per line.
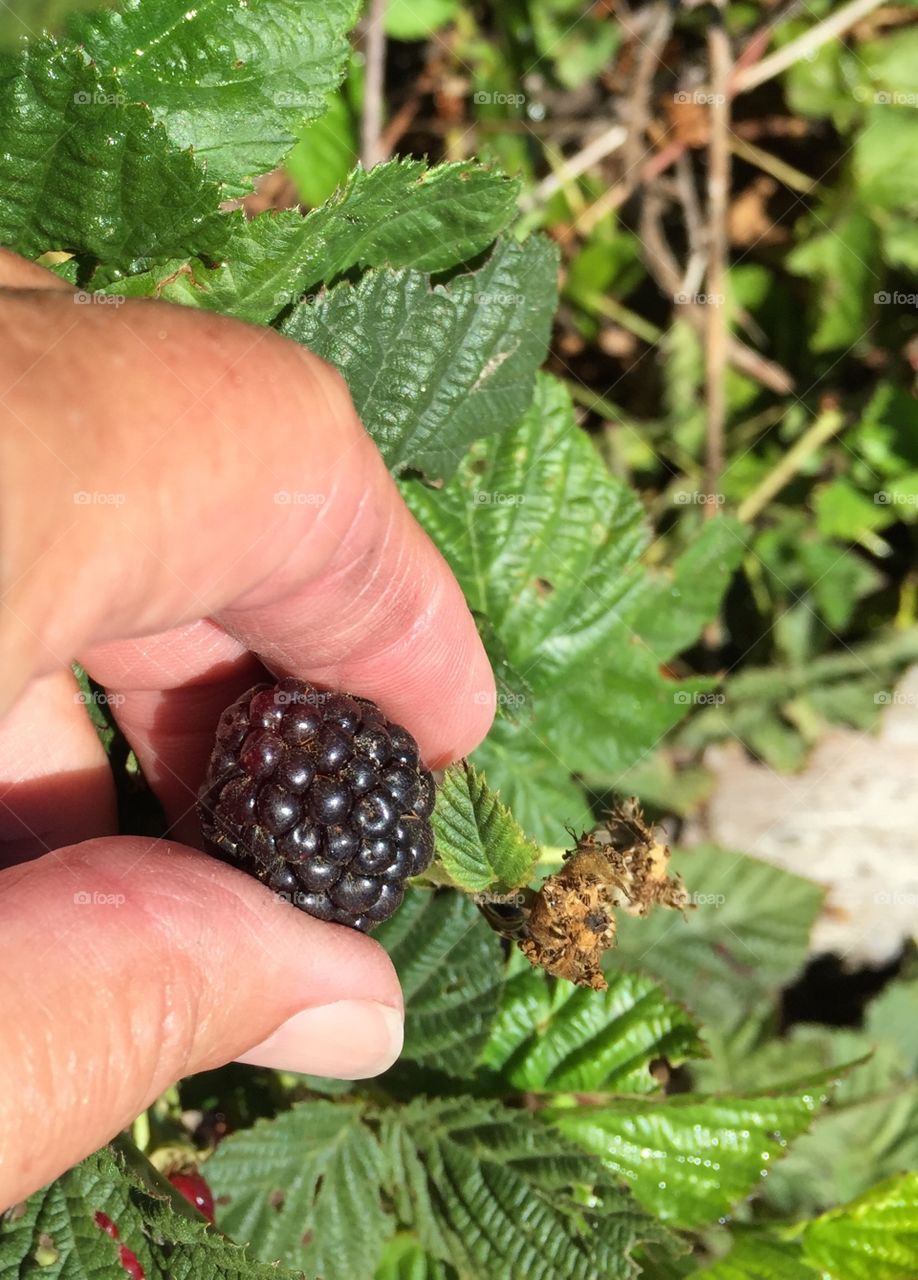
319 796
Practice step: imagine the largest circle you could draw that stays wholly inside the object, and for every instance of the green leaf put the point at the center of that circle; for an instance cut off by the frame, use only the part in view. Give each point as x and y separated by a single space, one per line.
55 1234
432 368
883 154
478 842
451 967
746 937
325 152
689 1159
417 19
840 254
83 169
398 214
498 1193
755 1256
404 1259
547 545
304 1189
232 81
552 1035
873 1238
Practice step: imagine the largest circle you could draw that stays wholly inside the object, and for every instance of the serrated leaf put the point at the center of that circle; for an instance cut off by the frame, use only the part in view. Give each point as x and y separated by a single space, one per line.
55 1235
404 1259
304 1189
746 937
451 967
478 843
233 81
498 1193
552 1035
431 368
85 170
873 1238
400 214
547 545
689 1159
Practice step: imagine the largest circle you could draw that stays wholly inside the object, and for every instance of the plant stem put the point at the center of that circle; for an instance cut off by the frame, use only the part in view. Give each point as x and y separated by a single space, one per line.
810 42
372 114
815 436
717 328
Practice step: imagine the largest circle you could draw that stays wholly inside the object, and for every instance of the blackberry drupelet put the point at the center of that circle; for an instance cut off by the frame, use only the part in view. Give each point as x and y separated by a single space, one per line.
322 798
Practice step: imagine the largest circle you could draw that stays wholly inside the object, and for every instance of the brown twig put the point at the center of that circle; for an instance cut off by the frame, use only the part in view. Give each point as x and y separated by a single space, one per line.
371 149
717 332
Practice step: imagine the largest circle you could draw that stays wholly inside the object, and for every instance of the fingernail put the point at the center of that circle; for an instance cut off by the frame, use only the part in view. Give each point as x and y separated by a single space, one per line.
349 1040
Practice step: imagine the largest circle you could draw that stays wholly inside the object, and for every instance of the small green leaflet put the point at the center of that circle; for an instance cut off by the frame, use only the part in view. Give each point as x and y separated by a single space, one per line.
691 1158
58 1226
84 169
304 1189
547 545
231 81
432 368
551 1035
478 843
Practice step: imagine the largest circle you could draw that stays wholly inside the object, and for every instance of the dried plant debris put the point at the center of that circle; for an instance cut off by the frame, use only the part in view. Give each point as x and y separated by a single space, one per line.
570 921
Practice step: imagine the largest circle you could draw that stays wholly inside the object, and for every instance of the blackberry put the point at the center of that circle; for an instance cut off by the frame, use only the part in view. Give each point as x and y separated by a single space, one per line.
320 797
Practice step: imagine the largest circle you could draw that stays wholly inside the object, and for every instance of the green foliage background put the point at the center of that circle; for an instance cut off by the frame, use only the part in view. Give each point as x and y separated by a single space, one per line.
530 1128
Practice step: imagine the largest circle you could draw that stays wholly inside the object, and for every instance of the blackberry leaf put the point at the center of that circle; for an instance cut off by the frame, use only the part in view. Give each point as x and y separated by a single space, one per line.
479 844
232 81
432 368
450 965
551 1035
569 598
55 1232
500 1193
84 169
691 1158
304 1189
399 214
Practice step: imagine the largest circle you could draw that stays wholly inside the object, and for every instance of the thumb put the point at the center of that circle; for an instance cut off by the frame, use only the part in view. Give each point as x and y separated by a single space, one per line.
129 963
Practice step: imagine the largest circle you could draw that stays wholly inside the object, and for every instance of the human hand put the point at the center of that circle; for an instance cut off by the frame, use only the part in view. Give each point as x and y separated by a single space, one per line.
142 447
